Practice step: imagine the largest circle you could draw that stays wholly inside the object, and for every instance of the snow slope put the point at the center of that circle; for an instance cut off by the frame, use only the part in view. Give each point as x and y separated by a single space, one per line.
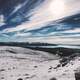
17 62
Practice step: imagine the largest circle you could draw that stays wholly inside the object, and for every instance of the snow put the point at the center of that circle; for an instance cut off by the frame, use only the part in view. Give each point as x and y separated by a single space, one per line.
17 62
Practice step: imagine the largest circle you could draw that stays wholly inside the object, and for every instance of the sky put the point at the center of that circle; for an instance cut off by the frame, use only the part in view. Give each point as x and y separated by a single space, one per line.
52 21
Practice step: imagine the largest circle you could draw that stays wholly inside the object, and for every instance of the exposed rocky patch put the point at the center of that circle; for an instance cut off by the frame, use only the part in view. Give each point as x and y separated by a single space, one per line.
53 79
77 74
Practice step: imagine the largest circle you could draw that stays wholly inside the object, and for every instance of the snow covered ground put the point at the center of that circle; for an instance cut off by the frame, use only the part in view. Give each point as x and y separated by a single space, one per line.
18 63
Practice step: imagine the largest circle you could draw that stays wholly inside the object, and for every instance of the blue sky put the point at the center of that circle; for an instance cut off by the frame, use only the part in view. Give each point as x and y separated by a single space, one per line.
52 21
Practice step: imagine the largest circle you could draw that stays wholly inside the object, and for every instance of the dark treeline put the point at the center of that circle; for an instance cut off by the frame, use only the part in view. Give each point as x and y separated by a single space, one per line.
25 44
61 51
38 46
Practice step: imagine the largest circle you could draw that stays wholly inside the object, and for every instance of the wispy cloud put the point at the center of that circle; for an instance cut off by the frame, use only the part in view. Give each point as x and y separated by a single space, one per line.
42 15
2 20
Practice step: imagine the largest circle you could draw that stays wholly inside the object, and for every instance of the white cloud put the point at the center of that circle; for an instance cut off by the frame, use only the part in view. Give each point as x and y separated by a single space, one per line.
77 30
54 40
18 34
2 20
19 6
43 15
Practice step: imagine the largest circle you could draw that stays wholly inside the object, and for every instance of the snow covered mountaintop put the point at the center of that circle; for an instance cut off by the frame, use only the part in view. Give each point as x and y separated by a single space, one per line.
26 64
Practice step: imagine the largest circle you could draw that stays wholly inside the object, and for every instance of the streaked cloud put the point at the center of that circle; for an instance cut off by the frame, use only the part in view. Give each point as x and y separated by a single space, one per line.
2 20
40 17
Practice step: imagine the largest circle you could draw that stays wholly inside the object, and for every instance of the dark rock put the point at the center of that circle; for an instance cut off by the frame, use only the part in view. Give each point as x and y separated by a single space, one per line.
77 74
49 71
26 74
53 79
27 77
50 68
64 64
9 68
2 77
2 70
63 60
20 79
14 67
57 66
35 66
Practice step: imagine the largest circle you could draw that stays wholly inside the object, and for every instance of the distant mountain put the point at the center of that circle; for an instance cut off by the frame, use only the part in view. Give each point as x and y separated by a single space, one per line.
26 44
46 47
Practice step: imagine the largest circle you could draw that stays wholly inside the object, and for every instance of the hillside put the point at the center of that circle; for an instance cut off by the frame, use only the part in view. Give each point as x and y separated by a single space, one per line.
18 63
